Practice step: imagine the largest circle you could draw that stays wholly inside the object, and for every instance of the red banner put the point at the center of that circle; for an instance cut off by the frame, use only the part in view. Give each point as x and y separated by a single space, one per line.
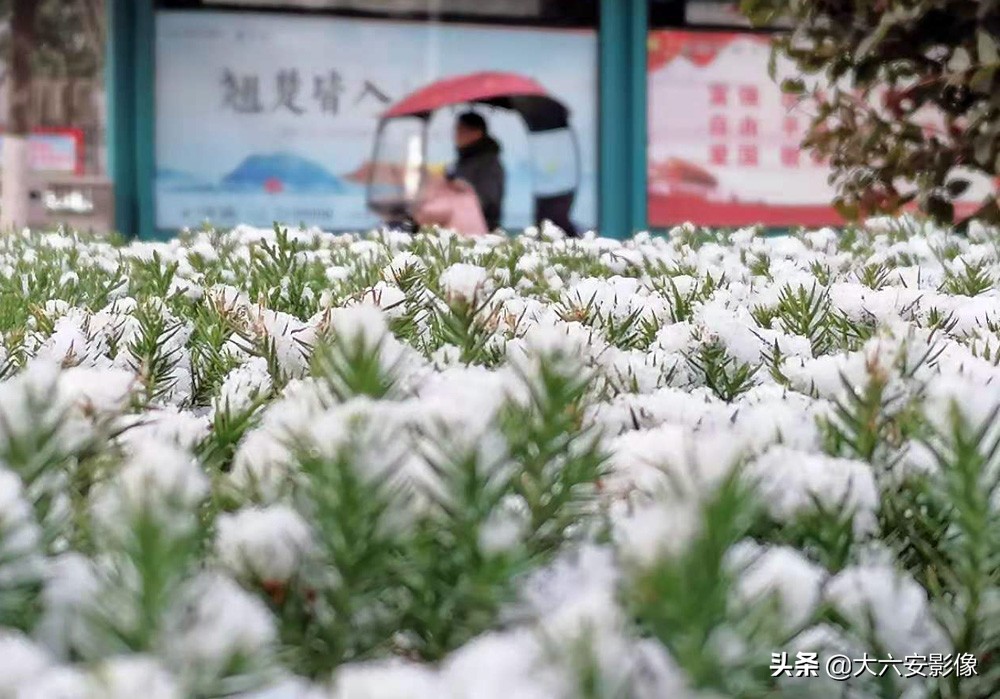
724 140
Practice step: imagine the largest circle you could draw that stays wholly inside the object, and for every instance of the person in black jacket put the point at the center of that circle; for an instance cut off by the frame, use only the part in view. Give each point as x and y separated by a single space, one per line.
479 164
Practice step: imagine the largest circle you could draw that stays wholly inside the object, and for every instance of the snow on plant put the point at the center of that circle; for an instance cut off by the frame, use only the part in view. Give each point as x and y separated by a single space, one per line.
274 464
263 543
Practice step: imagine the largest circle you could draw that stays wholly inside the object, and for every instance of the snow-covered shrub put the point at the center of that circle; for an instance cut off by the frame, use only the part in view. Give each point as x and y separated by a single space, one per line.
288 464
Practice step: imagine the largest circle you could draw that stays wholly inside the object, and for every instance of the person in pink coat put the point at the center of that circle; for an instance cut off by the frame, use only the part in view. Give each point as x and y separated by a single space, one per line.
451 203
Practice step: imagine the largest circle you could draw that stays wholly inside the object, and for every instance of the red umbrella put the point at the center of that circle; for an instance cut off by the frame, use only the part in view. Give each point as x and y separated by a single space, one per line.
489 87
540 111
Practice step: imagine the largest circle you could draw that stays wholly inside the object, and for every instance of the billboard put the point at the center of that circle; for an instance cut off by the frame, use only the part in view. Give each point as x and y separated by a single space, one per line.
263 118
724 140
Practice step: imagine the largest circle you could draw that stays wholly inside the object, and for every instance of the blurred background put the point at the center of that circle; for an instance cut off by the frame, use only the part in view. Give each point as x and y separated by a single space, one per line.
149 116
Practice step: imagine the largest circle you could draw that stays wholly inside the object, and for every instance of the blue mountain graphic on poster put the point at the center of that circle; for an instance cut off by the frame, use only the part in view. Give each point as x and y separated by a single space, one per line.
282 172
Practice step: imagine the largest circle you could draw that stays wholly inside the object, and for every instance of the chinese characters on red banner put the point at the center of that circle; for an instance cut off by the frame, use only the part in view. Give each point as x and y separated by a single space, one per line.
733 124
736 128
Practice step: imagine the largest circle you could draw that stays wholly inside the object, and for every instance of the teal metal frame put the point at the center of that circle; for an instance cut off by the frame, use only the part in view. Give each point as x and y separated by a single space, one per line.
131 78
145 112
623 119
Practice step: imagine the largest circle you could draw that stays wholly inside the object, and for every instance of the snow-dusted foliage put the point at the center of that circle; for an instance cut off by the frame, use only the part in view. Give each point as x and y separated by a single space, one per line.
296 465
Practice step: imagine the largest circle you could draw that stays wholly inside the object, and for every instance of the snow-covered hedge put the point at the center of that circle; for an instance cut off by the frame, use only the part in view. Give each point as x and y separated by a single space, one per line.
291 464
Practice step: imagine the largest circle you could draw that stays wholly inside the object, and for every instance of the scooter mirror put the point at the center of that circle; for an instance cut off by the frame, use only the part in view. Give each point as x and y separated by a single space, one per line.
396 170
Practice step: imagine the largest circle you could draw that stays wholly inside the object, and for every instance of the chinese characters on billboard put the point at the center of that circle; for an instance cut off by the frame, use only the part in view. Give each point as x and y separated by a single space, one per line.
242 93
264 118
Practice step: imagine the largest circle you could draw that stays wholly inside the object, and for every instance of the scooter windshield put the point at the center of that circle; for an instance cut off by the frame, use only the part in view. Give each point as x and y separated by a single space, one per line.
397 166
554 162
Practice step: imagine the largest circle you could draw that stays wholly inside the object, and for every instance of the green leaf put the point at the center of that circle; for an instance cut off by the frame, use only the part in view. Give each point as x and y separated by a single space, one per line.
847 211
874 38
795 86
960 61
983 149
986 47
982 79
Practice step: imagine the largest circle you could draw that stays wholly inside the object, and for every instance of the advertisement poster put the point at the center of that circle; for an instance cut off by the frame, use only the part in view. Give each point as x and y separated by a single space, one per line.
724 140
54 151
263 118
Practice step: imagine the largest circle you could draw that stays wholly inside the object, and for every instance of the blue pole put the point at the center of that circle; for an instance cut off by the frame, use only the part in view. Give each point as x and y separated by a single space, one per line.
639 117
613 130
145 117
129 80
622 181
120 86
